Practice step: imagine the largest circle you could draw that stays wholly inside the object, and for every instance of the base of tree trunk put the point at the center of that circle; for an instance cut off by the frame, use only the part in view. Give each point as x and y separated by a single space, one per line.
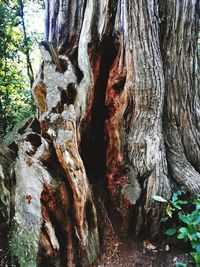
118 122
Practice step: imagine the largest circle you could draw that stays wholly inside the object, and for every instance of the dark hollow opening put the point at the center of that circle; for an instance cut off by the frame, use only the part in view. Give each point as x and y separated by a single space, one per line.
93 145
74 60
35 141
89 215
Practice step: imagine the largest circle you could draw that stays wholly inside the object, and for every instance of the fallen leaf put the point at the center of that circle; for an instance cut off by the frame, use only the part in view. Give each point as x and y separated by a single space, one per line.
150 247
146 242
167 248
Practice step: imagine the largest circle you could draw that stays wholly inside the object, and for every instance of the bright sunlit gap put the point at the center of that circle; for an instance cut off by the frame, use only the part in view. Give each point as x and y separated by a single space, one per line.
34 15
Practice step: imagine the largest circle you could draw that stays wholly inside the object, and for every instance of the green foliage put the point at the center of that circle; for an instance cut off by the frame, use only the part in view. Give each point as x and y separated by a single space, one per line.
16 100
170 231
183 212
159 198
181 264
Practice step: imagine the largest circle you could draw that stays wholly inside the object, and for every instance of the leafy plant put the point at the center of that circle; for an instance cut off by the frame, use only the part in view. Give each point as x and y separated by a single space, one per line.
16 102
184 214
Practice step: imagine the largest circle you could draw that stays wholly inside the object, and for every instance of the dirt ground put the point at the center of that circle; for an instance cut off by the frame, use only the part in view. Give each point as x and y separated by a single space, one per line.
129 253
132 253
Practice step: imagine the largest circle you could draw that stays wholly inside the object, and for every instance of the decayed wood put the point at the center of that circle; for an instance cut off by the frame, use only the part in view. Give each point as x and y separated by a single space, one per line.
137 95
30 177
65 143
58 122
122 73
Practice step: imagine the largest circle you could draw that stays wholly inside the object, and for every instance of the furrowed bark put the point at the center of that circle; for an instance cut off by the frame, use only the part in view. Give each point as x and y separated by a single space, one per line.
179 31
135 124
118 101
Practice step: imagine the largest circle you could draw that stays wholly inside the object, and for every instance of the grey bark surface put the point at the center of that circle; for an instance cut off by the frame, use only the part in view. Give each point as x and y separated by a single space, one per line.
118 99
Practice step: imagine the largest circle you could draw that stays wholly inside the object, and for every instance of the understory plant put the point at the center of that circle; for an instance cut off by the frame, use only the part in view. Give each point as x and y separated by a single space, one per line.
183 216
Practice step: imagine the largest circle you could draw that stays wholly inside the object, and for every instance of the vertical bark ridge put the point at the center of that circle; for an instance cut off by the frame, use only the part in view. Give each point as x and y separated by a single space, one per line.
103 76
64 20
85 88
139 166
179 31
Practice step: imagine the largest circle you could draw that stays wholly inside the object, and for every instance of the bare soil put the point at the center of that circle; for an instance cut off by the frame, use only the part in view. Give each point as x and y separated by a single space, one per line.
132 253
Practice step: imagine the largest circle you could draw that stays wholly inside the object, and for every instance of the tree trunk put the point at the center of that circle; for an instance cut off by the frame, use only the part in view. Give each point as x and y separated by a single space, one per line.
119 109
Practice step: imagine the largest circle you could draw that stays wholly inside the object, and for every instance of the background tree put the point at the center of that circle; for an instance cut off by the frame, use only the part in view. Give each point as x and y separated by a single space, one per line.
16 45
118 97
27 43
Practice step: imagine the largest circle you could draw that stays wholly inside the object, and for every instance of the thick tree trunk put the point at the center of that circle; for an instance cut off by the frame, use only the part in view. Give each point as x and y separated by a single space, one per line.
118 101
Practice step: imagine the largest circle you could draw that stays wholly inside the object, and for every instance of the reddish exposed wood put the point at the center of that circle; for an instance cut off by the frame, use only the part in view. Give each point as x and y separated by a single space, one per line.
28 198
115 101
40 96
106 75
67 152
56 205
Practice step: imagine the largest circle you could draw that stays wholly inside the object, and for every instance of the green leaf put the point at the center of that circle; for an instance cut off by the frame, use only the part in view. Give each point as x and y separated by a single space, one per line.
175 195
184 218
183 230
194 245
196 256
176 205
194 215
170 231
183 233
198 247
159 198
198 234
181 236
182 202
197 221
194 237
197 203
181 264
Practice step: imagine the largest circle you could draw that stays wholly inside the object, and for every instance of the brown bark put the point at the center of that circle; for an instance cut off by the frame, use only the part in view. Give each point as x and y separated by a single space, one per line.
119 108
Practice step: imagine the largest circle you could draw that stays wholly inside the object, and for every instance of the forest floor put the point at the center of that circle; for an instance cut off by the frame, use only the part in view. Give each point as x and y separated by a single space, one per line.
118 251
130 253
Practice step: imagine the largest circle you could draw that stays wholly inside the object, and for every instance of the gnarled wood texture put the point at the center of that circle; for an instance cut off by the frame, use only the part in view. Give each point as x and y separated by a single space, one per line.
118 99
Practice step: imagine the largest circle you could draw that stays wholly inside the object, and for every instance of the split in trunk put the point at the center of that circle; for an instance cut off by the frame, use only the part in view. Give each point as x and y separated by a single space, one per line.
118 101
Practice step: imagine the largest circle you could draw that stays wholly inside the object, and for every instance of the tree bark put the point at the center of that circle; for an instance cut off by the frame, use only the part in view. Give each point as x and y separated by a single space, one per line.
118 99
